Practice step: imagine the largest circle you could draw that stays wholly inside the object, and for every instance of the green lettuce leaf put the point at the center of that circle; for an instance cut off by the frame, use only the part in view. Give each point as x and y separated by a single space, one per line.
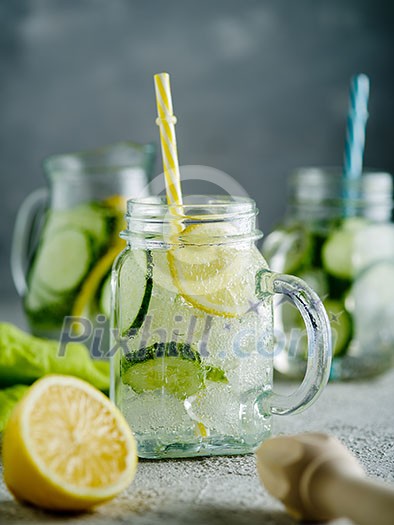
25 358
9 397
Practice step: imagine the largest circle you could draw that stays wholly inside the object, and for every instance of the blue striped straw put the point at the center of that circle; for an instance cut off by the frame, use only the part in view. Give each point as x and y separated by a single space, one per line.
355 137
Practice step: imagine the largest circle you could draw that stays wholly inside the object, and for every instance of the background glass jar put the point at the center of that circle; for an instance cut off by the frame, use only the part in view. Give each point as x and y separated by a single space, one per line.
66 235
344 249
192 330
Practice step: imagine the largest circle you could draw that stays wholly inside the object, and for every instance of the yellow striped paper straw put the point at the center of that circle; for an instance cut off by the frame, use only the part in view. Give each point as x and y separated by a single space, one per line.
166 122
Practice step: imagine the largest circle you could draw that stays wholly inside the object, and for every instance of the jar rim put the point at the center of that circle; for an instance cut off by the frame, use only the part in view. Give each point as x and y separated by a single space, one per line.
315 184
121 156
193 206
335 170
151 220
373 179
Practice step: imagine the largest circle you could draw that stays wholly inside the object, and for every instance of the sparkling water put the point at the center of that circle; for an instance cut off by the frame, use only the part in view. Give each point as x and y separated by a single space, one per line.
222 416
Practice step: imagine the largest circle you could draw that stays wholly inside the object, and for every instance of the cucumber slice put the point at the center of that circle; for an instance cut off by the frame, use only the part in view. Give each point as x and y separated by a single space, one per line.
135 284
288 250
354 224
374 244
341 326
63 260
174 367
340 320
372 293
338 250
105 297
316 279
44 310
95 219
215 374
39 297
337 254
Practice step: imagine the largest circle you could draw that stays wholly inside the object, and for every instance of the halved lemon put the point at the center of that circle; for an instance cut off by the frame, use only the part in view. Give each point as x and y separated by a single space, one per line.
215 276
66 447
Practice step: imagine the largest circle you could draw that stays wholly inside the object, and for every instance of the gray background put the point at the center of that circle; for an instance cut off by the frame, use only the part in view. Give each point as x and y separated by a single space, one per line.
259 86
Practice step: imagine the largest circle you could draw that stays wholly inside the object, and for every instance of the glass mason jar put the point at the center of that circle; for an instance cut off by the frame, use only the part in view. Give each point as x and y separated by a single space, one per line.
340 240
192 329
66 235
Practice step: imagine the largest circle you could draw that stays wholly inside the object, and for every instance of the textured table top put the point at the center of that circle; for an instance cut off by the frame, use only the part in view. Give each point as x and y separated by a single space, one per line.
226 490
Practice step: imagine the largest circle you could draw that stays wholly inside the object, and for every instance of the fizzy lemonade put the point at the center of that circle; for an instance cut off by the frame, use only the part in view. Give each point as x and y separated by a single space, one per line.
199 342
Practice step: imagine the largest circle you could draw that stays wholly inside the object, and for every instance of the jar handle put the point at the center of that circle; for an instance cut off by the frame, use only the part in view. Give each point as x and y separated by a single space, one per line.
22 236
319 342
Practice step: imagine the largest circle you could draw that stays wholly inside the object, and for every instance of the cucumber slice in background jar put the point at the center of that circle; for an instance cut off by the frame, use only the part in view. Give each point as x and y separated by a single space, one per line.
62 261
316 279
373 244
105 297
340 321
287 250
338 250
93 218
341 326
372 293
45 310
39 297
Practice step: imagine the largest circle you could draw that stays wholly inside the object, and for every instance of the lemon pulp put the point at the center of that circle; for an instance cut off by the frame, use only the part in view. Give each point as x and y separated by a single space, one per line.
212 274
66 447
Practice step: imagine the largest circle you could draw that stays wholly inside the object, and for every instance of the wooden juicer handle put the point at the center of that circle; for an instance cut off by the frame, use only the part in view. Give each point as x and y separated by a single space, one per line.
317 478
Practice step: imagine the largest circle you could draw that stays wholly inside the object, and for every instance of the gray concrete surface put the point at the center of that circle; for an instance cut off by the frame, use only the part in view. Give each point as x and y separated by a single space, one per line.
226 490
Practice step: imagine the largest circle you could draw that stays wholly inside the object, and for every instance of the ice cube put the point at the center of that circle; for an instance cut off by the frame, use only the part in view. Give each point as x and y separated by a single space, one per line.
253 372
217 408
156 413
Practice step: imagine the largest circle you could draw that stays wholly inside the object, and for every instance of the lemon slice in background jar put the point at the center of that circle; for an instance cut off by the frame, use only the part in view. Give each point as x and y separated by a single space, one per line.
96 285
213 274
66 447
93 282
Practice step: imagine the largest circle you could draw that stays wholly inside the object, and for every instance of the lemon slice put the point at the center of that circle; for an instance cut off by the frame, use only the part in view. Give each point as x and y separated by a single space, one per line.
91 284
117 202
67 447
216 278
